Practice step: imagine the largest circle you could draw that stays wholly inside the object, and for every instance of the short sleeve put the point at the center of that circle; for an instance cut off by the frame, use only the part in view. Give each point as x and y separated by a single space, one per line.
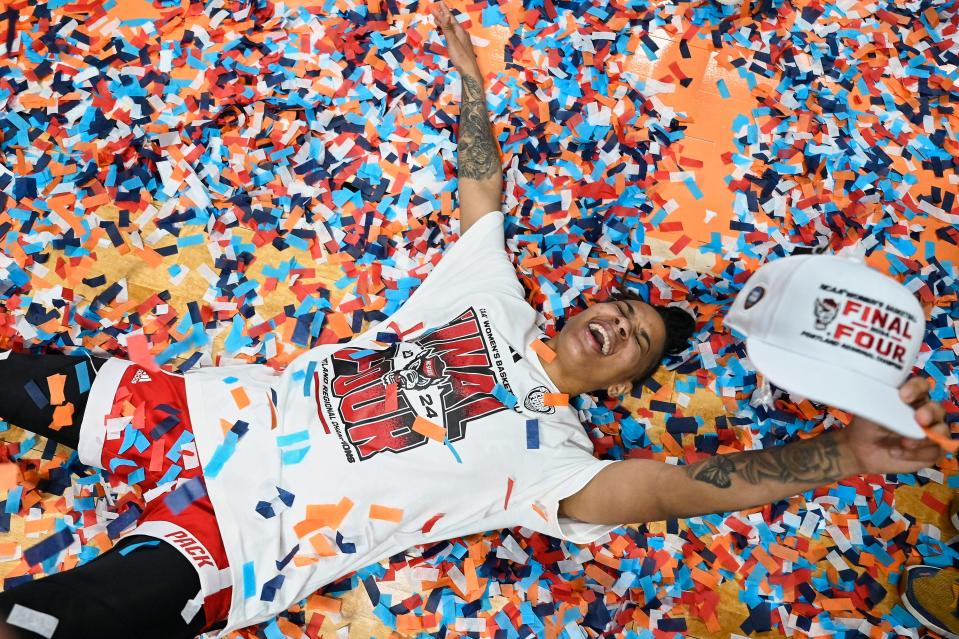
477 261
569 471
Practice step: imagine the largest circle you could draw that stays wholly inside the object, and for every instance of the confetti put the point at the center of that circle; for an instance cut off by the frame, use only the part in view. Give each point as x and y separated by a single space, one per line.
532 433
385 513
428 429
55 385
817 127
181 498
555 399
545 352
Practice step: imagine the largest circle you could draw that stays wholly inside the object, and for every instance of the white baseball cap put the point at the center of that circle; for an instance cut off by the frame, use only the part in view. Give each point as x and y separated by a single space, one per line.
835 331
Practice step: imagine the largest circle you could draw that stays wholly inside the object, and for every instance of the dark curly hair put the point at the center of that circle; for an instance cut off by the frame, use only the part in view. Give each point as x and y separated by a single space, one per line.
680 326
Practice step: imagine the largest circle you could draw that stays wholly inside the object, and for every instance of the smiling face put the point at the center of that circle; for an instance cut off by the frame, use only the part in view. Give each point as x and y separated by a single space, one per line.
607 346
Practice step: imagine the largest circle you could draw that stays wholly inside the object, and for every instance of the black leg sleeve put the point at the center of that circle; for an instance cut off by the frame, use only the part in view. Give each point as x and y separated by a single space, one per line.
115 596
25 395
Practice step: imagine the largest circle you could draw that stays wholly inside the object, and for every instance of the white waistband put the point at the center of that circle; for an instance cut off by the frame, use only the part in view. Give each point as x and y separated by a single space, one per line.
212 579
99 404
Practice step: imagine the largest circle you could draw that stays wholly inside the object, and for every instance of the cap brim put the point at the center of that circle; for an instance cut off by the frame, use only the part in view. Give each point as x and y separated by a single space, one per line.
825 383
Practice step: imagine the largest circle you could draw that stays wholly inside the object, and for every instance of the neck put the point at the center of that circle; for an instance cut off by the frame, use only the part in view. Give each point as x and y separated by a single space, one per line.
565 382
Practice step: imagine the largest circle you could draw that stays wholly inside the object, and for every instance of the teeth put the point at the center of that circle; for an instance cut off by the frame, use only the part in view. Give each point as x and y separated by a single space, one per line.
599 328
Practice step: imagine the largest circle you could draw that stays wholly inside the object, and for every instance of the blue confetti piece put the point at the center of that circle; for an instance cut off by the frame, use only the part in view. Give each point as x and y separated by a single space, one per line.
136 476
126 519
290 457
221 455
272 629
83 377
361 354
174 453
271 587
532 434
265 509
49 547
117 462
492 16
285 496
37 395
292 438
181 498
143 544
504 396
723 89
129 437
12 506
249 580
453 450
693 188
343 545
236 339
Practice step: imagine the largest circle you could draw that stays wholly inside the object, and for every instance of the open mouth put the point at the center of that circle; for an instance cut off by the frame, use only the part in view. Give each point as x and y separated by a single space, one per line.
602 337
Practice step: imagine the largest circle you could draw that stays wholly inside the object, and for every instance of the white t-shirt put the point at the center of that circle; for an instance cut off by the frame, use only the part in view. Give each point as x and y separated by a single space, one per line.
348 441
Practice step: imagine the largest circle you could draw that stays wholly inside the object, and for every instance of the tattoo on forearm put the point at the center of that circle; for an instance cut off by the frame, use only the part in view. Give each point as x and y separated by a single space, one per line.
478 154
810 461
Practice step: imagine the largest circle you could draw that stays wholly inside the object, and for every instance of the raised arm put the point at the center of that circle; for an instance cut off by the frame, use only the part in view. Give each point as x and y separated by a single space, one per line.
480 169
635 491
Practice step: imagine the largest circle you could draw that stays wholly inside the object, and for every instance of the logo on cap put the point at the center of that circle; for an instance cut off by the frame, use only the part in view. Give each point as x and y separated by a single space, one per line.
753 297
866 326
826 311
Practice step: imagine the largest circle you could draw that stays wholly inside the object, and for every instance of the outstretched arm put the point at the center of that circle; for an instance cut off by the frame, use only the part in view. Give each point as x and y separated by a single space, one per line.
635 491
480 169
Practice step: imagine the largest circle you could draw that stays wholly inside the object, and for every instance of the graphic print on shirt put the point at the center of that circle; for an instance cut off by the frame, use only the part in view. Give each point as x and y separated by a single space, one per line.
371 402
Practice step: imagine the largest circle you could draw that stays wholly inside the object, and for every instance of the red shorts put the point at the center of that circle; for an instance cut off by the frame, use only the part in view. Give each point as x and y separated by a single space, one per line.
137 425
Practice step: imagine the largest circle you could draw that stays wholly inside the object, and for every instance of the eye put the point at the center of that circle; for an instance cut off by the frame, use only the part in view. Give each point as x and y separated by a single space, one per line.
626 313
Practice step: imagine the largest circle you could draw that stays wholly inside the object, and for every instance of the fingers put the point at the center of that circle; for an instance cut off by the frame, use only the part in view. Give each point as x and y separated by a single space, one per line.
445 19
940 435
921 450
915 392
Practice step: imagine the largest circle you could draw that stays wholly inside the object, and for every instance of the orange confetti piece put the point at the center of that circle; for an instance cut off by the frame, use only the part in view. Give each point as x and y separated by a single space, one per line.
600 576
62 416
9 476
701 576
8 550
55 384
38 526
945 442
325 604
385 513
339 325
556 399
299 561
240 397
545 353
469 571
322 546
833 605
539 511
426 428
331 515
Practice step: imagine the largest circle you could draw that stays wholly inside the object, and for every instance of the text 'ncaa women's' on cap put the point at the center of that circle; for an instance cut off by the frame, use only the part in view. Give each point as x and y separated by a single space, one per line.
835 331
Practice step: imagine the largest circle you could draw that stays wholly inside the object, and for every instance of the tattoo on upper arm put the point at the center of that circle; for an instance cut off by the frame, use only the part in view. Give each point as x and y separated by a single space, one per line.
478 154
811 461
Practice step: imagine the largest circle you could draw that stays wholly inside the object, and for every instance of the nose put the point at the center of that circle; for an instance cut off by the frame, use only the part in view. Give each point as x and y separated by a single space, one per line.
622 327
